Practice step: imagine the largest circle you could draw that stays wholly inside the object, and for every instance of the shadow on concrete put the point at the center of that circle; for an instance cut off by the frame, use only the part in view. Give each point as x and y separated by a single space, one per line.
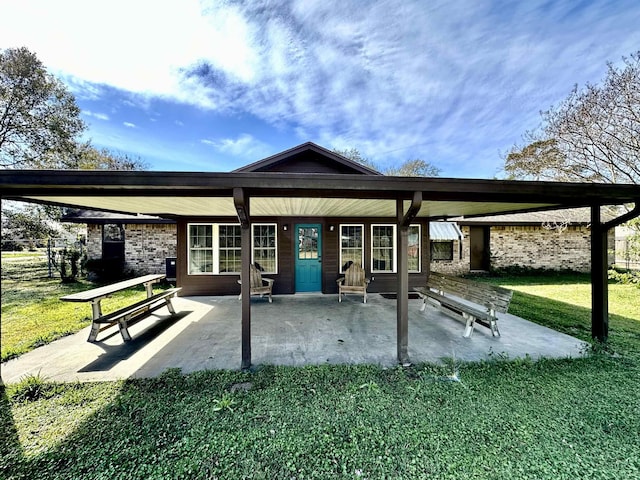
114 354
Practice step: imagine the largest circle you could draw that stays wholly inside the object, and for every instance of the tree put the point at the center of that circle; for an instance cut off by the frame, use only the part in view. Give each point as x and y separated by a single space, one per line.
591 136
410 168
90 158
414 168
39 119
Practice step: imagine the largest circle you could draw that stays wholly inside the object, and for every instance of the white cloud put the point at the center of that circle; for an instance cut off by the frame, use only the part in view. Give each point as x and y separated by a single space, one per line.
129 125
244 146
451 82
98 115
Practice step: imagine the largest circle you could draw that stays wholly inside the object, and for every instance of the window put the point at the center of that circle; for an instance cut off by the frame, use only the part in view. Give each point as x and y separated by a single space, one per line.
214 248
265 247
441 250
351 245
200 249
383 248
413 253
230 248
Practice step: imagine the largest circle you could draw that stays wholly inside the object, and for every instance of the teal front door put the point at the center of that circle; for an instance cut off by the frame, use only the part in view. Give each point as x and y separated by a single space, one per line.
308 258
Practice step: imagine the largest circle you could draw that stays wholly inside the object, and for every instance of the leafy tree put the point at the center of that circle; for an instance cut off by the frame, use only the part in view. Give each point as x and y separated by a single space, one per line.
90 158
410 168
39 119
26 223
414 168
591 136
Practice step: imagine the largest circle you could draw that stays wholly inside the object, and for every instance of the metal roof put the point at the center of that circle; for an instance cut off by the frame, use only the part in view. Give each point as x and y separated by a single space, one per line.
444 231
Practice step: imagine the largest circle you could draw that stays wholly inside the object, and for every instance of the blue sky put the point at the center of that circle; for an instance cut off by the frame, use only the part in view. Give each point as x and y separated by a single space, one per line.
214 85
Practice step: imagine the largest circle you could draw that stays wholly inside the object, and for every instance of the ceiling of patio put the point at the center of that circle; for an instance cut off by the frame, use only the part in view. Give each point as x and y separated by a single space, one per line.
279 206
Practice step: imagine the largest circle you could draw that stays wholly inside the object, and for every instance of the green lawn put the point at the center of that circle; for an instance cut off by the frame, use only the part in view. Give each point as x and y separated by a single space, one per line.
32 313
563 302
504 419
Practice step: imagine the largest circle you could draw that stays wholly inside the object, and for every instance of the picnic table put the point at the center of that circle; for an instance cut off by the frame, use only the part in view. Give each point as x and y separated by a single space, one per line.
128 315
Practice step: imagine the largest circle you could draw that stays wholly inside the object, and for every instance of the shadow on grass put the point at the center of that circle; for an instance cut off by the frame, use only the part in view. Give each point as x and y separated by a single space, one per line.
10 448
352 422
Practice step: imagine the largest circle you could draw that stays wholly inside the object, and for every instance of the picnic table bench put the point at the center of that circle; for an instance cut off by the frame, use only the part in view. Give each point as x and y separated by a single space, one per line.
128 315
446 293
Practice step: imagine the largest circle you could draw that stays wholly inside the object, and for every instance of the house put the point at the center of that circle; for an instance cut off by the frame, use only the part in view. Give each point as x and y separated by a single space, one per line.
304 213
549 240
137 244
144 244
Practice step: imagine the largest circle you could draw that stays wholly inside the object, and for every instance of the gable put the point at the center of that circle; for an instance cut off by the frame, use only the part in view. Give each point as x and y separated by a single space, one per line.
308 158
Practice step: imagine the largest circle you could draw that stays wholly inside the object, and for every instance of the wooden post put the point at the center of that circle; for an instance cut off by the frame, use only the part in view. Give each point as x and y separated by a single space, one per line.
242 207
599 278
402 308
402 305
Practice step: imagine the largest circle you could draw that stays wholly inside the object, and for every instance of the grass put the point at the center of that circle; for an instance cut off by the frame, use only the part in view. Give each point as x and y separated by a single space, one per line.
32 313
503 419
562 301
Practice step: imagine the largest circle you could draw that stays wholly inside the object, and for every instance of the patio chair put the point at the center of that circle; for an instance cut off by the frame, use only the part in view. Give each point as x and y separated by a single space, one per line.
353 281
259 285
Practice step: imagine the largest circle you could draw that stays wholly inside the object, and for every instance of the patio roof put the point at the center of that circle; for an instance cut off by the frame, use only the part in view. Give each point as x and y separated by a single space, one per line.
173 194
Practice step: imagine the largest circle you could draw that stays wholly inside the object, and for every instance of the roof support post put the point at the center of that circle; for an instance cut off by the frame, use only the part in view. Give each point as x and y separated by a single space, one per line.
402 309
241 203
599 279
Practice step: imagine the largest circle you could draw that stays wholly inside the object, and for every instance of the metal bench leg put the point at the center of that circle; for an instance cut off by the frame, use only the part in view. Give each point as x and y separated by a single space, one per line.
424 305
96 311
124 331
470 324
93 334
494 327
170 305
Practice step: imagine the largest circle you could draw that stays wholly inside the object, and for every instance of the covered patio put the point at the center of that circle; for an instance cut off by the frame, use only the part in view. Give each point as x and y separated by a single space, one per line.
311 194
294 330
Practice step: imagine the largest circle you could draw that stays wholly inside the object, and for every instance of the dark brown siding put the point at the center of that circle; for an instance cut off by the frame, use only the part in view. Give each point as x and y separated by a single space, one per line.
285 279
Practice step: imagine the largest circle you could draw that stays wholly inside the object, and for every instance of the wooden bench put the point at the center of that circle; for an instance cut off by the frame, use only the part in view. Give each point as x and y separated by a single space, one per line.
446 292
128 315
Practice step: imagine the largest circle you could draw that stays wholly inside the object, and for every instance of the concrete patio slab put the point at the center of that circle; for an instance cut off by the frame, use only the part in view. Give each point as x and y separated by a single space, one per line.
294 330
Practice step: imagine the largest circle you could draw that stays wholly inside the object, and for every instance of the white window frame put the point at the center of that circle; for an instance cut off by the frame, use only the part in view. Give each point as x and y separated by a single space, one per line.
394 252
275 229
215 247
361 225
419 248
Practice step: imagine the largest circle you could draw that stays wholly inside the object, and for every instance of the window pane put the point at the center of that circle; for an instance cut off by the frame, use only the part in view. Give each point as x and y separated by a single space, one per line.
307 243
413 253
382 242
230 251
350 245
201 261
442 250
200 236
264 247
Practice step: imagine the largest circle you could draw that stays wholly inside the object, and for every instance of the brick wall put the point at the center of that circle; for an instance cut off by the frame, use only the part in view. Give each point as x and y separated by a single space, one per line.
146 246
533 247
94 241
458 266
